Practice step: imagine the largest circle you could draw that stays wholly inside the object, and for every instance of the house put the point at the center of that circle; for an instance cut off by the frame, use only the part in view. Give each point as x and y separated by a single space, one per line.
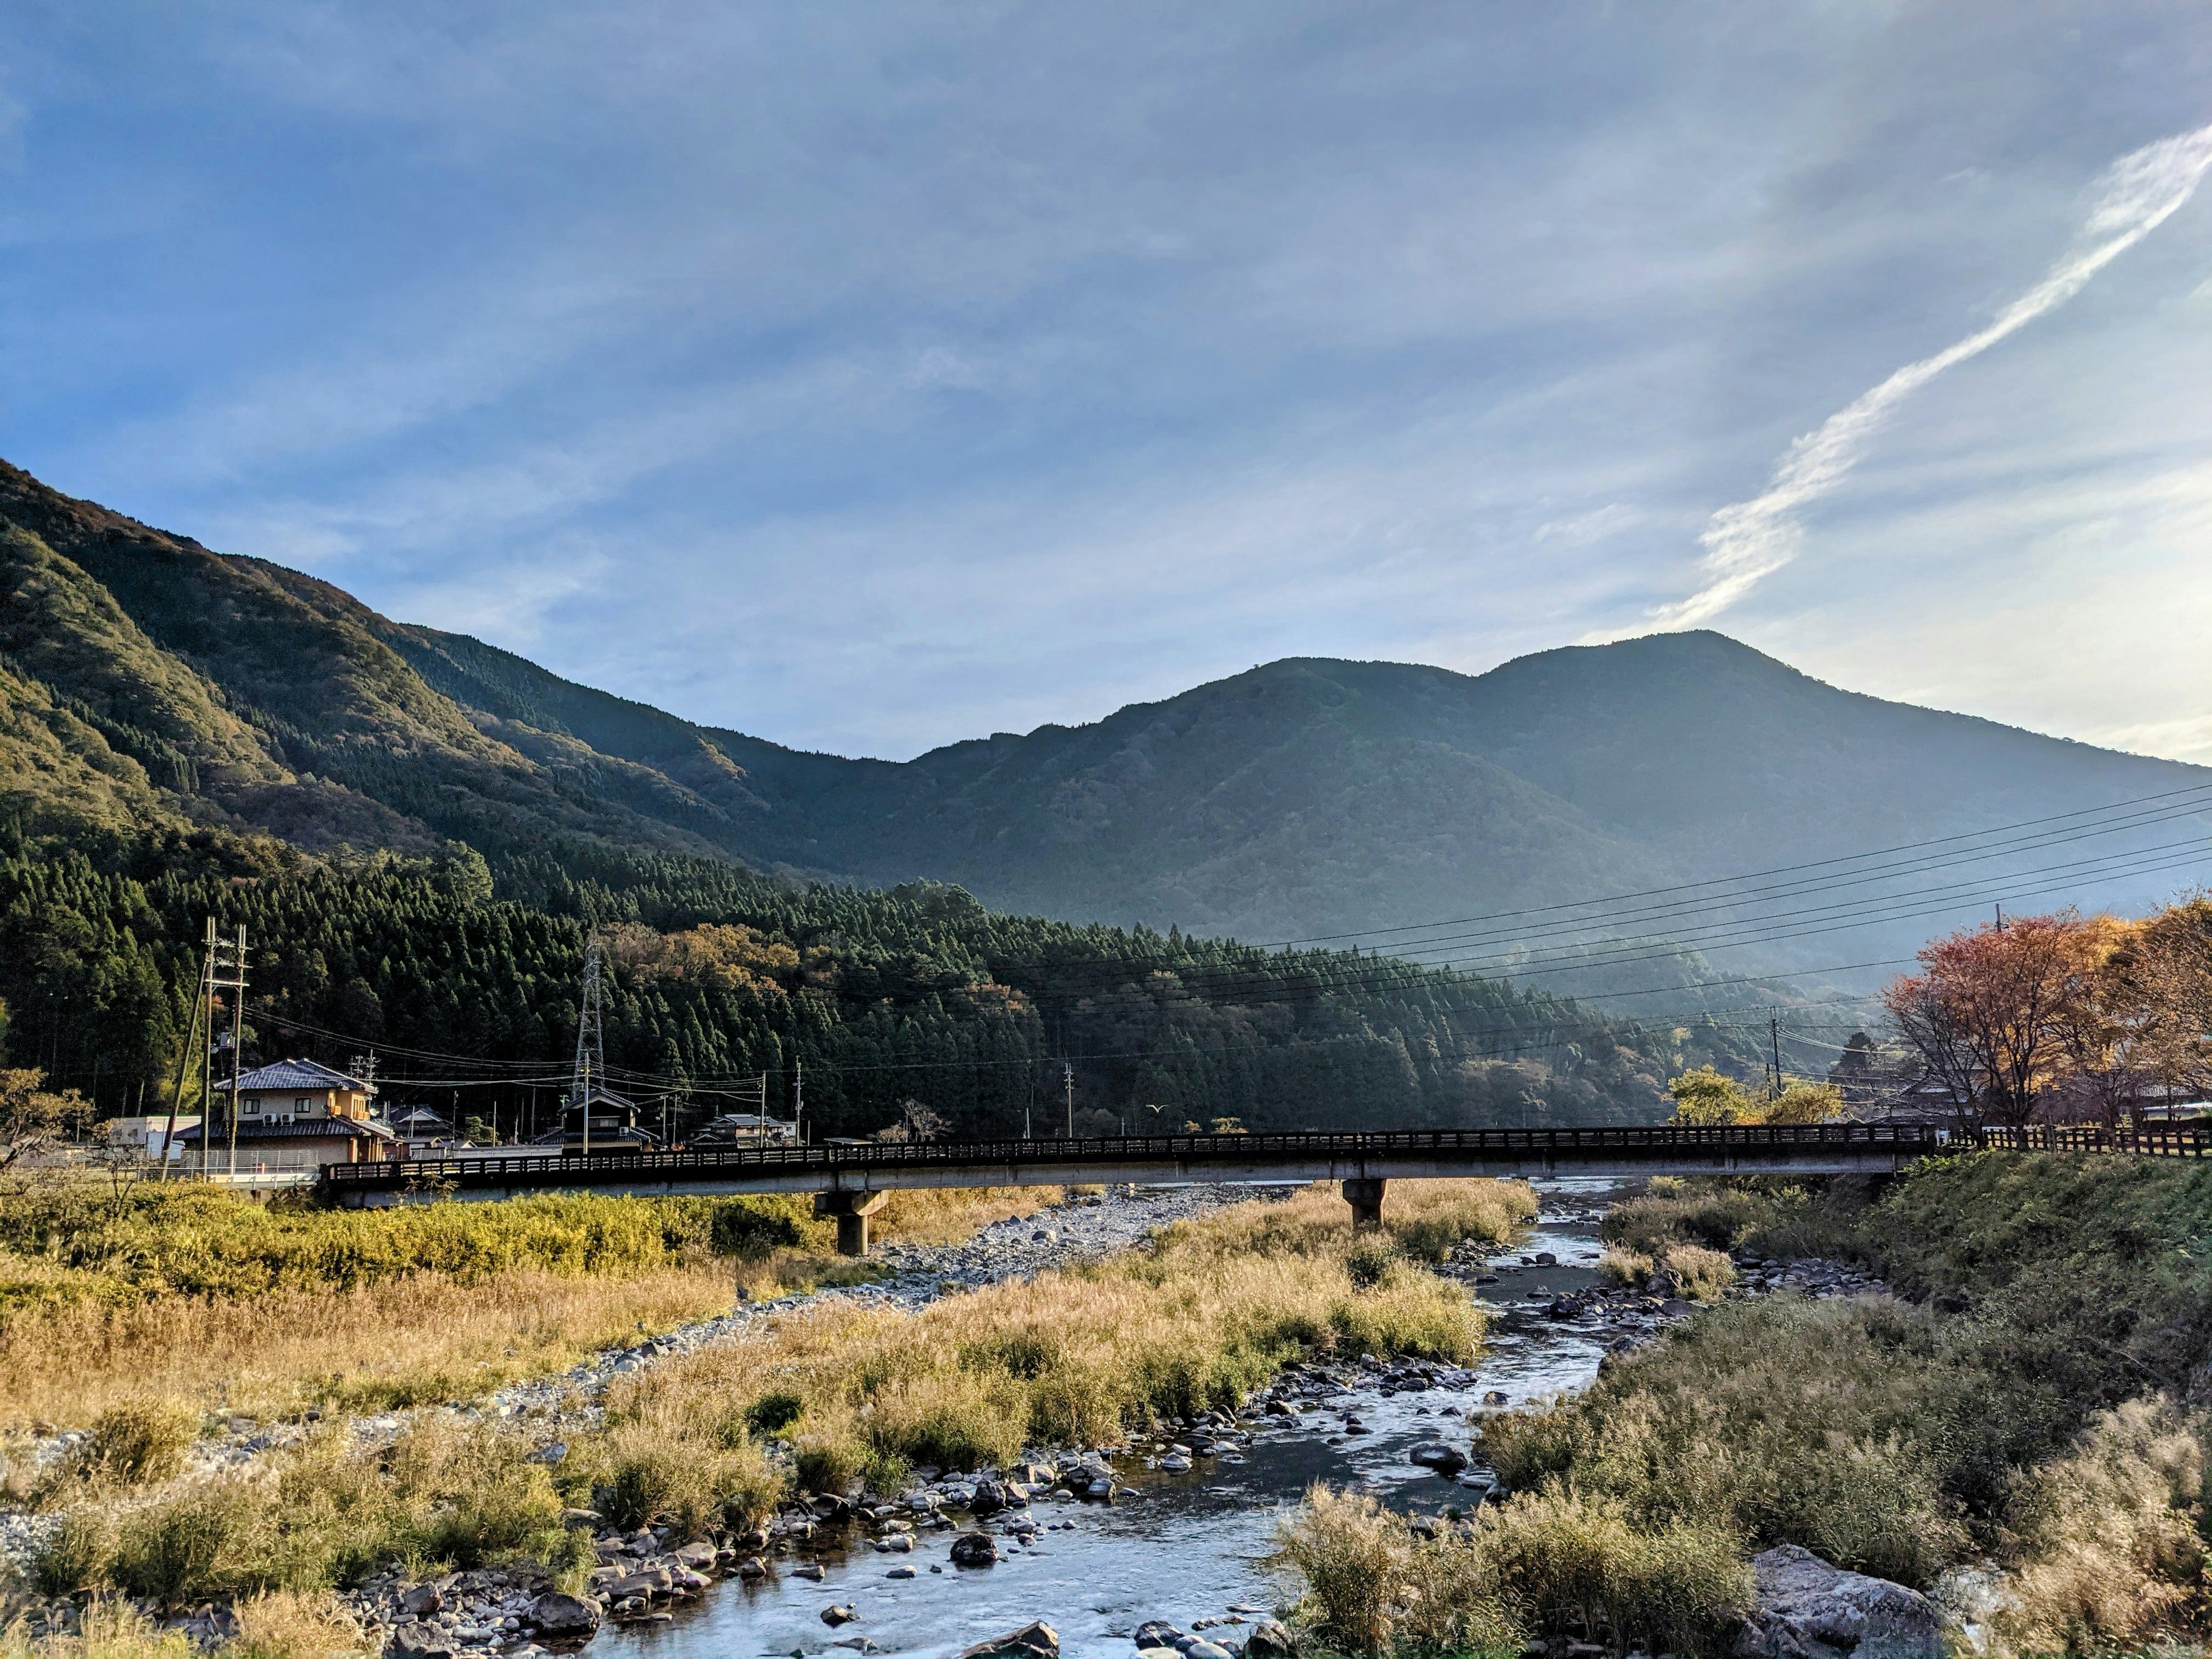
610 1126
420 1127
297 1115
149 1137
747 1129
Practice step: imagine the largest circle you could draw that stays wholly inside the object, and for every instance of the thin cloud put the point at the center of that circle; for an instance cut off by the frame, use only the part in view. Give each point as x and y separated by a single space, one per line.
1748 541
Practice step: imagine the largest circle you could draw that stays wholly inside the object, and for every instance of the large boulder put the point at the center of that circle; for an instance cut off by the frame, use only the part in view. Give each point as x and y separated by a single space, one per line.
1037 1641
1804 1608
420 1641
1270 1640
558 1616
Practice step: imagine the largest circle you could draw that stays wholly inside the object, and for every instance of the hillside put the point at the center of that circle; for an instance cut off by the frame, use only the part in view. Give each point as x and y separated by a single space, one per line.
153 680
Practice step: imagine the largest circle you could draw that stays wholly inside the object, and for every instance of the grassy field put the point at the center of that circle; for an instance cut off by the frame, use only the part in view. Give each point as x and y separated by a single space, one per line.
170 1292
2039 1404
826 1398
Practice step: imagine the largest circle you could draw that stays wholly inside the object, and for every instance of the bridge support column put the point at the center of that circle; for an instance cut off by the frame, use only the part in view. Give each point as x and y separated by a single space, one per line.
1365 1197
852 1211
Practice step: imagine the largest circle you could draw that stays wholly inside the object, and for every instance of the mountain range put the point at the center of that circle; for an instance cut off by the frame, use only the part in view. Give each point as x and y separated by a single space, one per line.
146 680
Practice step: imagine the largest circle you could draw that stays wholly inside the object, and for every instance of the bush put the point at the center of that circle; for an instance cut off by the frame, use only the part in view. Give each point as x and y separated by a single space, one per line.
1570 1564
74 1556
1830 1424
1551 1563
140 1444
175 1550
2112 1556
292 1625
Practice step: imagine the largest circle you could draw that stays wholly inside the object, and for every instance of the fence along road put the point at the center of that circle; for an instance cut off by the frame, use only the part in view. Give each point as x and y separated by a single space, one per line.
849 1182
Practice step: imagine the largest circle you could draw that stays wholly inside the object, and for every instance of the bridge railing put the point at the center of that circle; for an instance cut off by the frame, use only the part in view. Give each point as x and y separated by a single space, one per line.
1655 1143
2159 1142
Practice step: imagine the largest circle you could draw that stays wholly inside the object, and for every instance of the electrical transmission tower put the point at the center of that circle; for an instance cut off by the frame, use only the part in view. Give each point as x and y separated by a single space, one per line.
591 1041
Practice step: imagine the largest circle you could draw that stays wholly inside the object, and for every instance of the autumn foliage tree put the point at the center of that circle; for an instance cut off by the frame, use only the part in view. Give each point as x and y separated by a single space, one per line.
2081 1015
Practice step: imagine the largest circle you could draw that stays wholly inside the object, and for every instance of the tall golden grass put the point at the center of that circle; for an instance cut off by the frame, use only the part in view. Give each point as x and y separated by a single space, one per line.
373 1342
1555 1563
1196 1321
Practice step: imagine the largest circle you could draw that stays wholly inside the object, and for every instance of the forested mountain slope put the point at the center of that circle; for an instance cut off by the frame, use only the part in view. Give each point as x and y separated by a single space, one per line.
417 832
1306 798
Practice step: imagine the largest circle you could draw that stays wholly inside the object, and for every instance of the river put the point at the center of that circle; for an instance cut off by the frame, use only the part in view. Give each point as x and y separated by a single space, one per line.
1191 1546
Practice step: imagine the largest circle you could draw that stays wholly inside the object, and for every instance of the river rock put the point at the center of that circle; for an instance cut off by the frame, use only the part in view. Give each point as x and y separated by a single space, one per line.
421 1641
1434 1455
1270 1639
1158 1633
842 1613
1205 1650
422 1600
556 1615
1037 1641
975 1549
1804 1608
989 1498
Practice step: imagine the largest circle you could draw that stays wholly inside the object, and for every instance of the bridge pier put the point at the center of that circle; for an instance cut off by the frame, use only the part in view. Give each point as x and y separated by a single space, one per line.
852 1211
1365 1196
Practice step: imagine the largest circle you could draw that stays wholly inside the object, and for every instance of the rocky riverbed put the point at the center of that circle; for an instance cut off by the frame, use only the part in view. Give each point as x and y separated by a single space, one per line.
1109 1544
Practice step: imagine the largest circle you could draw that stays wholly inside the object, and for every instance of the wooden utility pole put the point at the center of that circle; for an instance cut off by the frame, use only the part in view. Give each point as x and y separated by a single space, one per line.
236 986
1067 1077
1774 1031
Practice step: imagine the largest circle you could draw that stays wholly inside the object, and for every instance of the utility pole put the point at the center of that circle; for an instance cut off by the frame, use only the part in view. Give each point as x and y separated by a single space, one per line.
2000 918
236 986
1067 1076
185 1059
798 1099
1774 1031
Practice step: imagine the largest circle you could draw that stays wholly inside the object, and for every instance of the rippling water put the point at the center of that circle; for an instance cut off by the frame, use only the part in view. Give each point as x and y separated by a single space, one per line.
1191 1546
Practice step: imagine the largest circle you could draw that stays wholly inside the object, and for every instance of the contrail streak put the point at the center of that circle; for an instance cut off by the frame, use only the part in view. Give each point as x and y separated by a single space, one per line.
1751 539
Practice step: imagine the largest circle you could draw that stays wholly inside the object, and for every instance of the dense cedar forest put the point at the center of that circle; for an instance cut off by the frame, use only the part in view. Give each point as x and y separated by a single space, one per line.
464 979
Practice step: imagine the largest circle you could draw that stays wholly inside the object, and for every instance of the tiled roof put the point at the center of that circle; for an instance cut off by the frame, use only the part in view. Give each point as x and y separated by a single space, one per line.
295 1074
308 1128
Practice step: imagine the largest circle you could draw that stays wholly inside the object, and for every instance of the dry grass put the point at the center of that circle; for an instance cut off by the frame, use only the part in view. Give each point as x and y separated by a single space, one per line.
1685 1270
1076 1358
294 1625
2108 1536
423 1339
1555 1563
111 1630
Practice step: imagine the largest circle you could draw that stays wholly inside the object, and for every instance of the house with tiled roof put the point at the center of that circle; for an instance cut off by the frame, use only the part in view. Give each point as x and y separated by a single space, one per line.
296 1115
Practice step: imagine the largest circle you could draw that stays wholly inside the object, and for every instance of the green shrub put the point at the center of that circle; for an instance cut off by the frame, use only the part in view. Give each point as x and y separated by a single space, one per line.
772 1413
139 1445
76 1555
1574 1566
1370 1262
173 1550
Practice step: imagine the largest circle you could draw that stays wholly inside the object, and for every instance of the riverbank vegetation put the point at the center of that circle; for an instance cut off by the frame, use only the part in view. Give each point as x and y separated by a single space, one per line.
148 1293
2031 1407
833 1397
1205 1313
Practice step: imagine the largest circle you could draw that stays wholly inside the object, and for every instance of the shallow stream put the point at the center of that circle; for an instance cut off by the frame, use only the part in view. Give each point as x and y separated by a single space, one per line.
1191 1546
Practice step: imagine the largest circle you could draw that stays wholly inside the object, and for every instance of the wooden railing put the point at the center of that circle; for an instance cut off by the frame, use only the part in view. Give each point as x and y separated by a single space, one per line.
1658 1143
2162 1142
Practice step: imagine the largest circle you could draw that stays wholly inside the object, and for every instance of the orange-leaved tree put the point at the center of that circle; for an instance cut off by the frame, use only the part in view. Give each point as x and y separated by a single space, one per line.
2000 1013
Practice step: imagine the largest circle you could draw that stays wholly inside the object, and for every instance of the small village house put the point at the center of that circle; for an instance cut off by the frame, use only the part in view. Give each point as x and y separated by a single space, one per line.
298 1115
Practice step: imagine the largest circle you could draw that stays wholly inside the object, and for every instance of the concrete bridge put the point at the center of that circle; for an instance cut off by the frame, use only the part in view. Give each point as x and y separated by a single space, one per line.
850 1183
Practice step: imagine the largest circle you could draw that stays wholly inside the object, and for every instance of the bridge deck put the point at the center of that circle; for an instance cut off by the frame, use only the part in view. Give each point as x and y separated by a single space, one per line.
1794 1149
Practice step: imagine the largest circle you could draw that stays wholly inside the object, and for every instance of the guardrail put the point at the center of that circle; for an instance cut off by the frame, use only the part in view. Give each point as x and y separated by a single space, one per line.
1656 1143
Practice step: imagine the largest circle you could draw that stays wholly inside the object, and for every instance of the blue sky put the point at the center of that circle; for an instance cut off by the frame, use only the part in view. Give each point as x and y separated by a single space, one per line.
871 377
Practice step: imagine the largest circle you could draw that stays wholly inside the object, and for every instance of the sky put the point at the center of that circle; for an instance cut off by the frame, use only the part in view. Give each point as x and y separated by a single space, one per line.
868 378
